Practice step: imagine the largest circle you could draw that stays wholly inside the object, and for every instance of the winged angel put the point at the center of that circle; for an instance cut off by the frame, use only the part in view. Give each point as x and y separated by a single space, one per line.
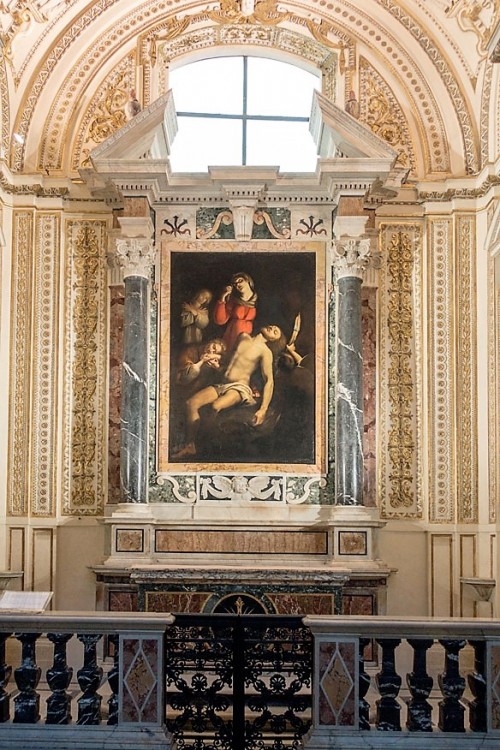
240 489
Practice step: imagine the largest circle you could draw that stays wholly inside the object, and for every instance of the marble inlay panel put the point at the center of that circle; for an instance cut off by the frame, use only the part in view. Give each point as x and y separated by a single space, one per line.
173 601
303 604
243 542
494 671
130 540
117 297
352 543
122 601
337 683
358 604
369 348
141 666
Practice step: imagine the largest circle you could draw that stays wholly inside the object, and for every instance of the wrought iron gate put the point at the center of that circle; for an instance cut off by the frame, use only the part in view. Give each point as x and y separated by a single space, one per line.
238 682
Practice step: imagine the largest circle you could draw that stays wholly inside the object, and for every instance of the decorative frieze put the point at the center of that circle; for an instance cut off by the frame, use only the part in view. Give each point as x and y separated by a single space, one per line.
466 363
85 348
20 369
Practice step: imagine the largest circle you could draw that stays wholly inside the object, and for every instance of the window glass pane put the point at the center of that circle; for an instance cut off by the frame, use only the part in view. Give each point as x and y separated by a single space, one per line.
214 86
202 142
288 145
276 88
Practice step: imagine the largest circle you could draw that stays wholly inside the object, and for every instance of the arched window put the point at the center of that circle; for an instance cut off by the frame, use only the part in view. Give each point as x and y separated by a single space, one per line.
243 111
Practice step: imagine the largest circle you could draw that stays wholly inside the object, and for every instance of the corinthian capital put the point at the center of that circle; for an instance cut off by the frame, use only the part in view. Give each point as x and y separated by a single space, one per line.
350 256
136 255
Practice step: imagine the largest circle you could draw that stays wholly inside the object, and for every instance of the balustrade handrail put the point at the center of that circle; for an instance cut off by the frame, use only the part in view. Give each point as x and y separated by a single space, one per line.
383 626
78 622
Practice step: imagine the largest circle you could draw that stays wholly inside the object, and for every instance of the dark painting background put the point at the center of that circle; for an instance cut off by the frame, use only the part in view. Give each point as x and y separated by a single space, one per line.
285 284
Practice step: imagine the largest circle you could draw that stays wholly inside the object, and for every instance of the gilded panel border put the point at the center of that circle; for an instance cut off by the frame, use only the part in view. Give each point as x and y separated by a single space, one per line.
466 315
45 343
20 368
442 488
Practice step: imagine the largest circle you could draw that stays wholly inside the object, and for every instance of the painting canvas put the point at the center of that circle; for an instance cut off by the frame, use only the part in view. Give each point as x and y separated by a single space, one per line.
239 358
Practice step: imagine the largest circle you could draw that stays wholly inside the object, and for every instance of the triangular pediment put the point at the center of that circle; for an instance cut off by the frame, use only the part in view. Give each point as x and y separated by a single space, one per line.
338 134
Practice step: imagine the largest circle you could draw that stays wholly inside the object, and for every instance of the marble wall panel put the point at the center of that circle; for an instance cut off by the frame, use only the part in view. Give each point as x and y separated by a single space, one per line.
336 683
303 604
369 333
122 601
176 601
242 542
141 665
494 670
117 298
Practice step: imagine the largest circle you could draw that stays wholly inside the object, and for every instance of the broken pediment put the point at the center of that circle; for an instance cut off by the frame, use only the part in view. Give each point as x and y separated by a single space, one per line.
147 136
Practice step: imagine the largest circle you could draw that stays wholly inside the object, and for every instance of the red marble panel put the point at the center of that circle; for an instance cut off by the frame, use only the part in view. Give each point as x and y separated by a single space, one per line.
140 685
173 601
369 324
302 604
358 604
117 297
122 601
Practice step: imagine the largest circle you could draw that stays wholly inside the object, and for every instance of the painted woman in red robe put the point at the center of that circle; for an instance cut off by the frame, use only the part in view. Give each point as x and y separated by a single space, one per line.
236 308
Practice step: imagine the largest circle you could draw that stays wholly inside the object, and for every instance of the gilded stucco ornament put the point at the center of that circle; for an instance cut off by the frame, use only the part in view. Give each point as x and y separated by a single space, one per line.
479 16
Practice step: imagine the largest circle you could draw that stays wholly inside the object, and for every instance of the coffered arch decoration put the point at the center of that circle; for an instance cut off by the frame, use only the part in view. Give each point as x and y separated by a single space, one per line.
147 28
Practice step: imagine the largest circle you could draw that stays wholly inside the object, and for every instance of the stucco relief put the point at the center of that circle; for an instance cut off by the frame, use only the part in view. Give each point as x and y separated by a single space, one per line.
400 488
380 110
85 368
106 112
466 363
45 342
20 371
442 487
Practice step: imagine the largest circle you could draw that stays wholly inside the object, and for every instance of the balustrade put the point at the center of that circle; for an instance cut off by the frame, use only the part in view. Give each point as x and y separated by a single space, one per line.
247 682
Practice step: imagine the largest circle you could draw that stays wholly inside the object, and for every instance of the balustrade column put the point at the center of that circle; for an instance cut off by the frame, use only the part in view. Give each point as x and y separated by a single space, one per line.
350 260
136 256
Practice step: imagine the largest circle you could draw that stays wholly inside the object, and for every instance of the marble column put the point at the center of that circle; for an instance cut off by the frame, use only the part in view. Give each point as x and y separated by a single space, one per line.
136 256
350 257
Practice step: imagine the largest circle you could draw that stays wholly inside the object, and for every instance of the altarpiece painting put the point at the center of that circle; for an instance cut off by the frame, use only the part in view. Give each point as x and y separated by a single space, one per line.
241 381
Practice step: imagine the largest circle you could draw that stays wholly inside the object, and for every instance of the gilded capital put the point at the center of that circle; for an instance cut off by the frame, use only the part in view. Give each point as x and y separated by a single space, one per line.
136 255
350 256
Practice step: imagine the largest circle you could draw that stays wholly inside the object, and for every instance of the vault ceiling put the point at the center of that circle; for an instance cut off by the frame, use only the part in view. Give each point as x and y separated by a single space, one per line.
423 70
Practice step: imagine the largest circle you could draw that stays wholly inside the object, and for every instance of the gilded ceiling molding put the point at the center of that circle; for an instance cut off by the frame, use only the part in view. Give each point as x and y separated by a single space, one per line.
45 343
123 32
441 368
19 432
465 116
21 14
481 18
400 399
85 368
34 90
4 108
394 56
106 112
380 110
485 114
450 40
284 40
466 363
